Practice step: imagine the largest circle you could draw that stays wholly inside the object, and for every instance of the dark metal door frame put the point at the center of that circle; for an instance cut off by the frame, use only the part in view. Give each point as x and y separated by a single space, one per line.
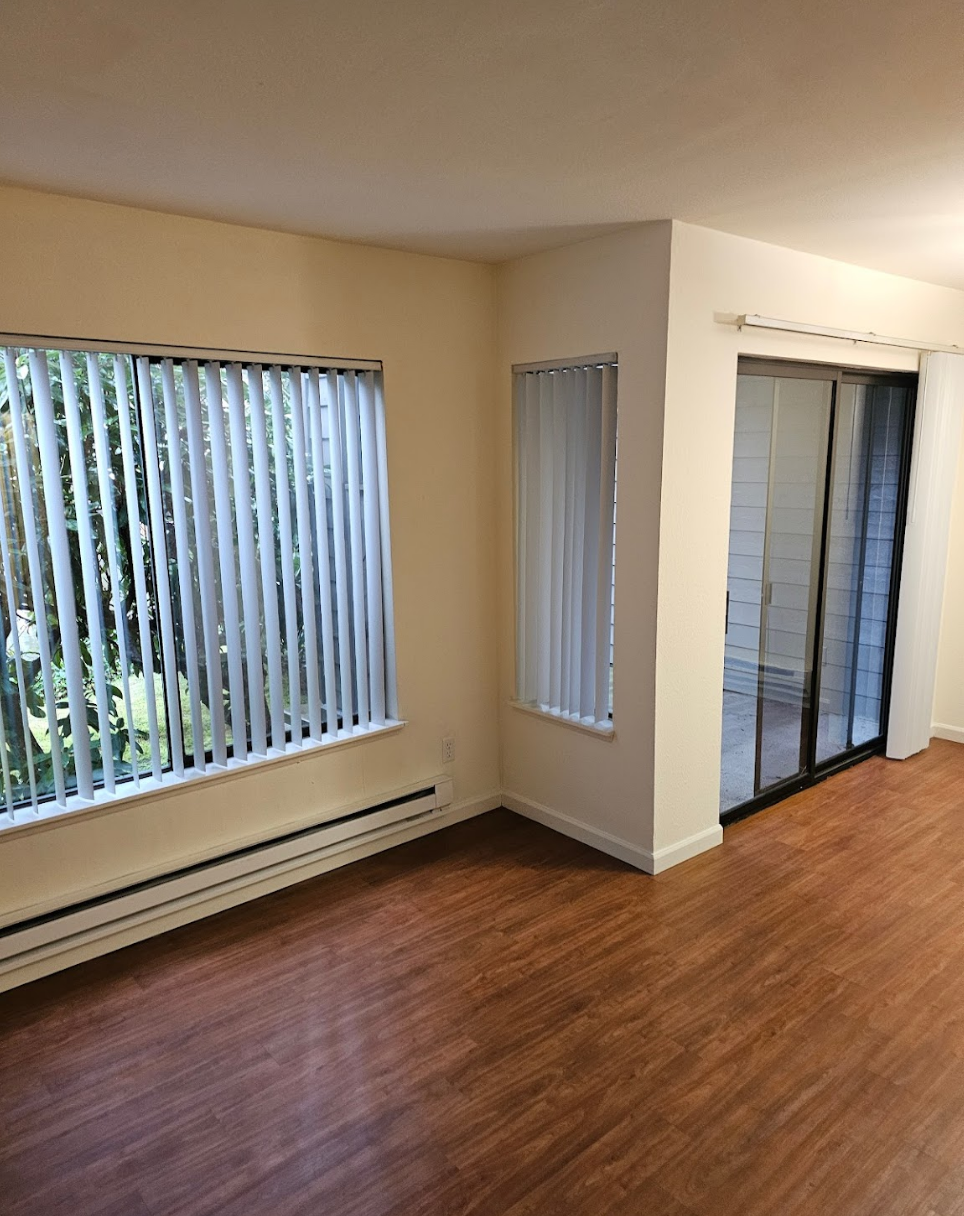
814 772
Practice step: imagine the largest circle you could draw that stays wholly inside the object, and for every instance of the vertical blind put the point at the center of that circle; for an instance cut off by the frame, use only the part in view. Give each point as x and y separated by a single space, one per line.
565 419
196 568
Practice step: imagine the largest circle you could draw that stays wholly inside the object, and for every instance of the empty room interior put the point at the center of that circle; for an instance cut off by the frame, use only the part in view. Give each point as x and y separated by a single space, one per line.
482 608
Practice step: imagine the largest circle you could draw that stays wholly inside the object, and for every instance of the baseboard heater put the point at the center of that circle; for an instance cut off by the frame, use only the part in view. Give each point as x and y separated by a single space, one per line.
67 928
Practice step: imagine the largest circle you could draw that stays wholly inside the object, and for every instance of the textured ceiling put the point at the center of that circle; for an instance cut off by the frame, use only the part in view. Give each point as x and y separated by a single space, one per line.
488 128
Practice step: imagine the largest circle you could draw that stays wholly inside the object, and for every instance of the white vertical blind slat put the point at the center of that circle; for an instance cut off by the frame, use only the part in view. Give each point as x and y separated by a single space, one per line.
224 525
333 414
569 473
203 547
607 499
365 382
88 565
247 557
10 618
349 417
108 508
592 540
5 765
325 604
183 564
520 419
557 389
580 406
388 602
13 605
286 545
534 513
162 577
134 525
53 493
266 554
18 667
299 457
547 443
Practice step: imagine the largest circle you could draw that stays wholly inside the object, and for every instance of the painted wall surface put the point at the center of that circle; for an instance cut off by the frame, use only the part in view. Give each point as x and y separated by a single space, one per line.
84 269
715 277
606 294
949 694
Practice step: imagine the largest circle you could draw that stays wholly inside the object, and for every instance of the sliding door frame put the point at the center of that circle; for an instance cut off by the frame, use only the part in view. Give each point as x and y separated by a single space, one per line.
814 772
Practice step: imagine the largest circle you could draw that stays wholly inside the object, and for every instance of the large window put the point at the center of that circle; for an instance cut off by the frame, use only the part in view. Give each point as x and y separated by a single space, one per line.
194 568
565 420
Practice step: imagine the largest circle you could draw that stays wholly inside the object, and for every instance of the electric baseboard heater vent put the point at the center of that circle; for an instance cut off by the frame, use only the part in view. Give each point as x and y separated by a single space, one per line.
65 929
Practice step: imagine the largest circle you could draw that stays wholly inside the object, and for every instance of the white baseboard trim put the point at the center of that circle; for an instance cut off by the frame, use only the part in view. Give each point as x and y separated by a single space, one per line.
691 846
605 842
615 846
940 730
59 954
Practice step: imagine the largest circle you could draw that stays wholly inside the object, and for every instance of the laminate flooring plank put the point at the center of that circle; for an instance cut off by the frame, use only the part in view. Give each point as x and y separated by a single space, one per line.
498 1021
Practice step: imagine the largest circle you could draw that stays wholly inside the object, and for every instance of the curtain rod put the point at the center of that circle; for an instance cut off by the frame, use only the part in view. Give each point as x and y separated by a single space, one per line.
754 321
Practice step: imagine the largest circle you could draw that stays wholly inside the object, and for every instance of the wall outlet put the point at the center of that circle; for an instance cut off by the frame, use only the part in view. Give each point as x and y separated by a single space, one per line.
448 749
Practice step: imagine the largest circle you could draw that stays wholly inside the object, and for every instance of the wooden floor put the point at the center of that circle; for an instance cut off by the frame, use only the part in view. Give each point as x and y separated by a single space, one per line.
497 1020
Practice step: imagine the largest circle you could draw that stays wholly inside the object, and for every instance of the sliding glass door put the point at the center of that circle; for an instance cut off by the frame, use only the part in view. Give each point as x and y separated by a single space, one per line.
819 471
871 423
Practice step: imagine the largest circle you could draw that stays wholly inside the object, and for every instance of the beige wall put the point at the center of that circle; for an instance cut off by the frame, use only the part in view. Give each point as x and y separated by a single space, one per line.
652 795
84 269
81 269
715 275
606 294
949 694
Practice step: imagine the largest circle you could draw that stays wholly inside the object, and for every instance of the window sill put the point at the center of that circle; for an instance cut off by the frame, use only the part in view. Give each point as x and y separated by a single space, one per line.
601 730
50 815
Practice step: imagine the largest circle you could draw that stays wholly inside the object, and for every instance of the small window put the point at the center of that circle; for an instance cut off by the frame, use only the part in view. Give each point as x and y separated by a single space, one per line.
565 425
194 568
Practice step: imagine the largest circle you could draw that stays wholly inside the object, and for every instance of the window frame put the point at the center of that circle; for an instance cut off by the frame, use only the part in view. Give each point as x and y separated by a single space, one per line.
30 814
600 728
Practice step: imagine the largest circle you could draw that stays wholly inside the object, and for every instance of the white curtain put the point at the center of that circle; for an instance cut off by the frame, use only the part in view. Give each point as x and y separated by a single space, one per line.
937 438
